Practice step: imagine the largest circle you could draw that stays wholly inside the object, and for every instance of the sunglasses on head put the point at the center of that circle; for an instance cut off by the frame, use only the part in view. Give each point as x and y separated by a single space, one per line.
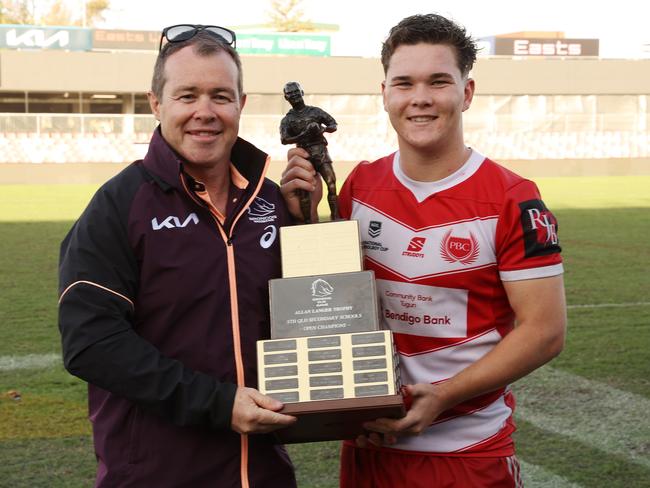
183 32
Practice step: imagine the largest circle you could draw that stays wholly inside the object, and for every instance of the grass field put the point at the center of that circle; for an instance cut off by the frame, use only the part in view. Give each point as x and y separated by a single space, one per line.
583 420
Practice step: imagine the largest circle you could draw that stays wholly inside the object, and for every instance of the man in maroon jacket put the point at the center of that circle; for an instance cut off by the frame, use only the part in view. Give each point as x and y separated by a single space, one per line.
163 288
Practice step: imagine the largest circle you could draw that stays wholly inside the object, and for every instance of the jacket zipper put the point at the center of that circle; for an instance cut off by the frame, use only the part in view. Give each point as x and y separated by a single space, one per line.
234 306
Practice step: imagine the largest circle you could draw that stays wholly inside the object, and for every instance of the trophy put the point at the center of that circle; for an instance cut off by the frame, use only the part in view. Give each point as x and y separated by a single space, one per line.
328 360
305 125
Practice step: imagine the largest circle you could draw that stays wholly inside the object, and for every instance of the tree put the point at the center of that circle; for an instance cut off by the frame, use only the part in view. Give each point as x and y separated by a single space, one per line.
95 11
17 11
59 14
56 12
287 16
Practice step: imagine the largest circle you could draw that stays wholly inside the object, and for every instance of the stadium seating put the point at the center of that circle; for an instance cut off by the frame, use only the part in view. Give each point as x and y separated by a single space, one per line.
364 137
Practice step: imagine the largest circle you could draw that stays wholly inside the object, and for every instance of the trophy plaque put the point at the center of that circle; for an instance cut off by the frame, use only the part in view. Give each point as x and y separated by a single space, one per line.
323 304
327 359
332 383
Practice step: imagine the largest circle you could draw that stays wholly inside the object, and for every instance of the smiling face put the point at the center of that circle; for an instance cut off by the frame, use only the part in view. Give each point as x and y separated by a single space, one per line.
425 95
199 108
293 94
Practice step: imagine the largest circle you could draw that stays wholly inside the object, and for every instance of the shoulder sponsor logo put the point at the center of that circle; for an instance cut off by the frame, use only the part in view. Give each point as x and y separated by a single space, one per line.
374 229
172 222
459 249
415 246
540 229
261 211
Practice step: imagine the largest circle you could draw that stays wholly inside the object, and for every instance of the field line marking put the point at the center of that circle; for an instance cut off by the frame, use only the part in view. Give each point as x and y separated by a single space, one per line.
535 476
29 361
587 411
608 305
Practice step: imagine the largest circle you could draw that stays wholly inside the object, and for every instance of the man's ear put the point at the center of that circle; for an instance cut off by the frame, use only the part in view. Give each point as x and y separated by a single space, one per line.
242 102
154 103
383 94
468 93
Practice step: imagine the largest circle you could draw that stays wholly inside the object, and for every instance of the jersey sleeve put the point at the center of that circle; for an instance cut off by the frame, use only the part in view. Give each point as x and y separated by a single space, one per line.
527 244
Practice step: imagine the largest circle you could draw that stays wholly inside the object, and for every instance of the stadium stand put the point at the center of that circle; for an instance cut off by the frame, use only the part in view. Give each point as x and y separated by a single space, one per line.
358 137
526 112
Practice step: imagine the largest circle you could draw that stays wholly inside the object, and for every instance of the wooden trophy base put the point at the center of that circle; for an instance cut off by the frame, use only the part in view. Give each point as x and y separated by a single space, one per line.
328 420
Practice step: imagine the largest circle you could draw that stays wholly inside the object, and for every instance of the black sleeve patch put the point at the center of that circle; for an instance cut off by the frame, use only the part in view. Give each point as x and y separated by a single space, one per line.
540 229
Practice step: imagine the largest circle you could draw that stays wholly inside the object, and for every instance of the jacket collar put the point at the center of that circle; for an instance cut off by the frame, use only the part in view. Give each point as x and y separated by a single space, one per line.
165 164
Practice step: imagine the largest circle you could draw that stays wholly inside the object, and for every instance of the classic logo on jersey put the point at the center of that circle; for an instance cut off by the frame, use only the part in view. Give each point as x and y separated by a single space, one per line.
321 289
173 222
540 229
454 249
261 211
374 228
414 247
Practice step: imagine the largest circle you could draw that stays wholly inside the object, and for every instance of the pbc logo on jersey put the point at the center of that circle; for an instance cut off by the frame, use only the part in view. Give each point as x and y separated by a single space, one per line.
374 229
540 229
459 249
415 246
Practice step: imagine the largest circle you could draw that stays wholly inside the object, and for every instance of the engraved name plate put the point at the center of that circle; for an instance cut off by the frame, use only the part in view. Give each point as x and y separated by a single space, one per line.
329 367
323 304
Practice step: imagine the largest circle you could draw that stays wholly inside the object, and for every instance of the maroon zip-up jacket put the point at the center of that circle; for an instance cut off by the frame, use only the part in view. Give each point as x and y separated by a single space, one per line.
160 309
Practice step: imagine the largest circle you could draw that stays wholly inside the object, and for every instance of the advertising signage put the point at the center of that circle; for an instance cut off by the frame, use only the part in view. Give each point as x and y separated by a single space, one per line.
293 44
78 39
36 37
126 39
513 46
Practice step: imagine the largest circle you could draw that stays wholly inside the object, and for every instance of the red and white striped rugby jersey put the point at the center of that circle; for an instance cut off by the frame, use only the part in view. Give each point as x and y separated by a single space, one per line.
440 251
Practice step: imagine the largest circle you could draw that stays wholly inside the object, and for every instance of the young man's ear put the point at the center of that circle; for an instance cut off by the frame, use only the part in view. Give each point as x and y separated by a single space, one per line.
468 93
383 94
154 103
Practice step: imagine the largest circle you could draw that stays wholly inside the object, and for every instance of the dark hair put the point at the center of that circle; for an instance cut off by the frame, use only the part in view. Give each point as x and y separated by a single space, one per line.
432 29
204 44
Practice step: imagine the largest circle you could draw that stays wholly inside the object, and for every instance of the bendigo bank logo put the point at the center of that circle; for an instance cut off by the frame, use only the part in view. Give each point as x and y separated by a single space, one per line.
540 229
459 249
415 246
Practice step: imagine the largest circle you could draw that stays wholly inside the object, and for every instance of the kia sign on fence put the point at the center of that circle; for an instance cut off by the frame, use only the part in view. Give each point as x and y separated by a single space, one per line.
36 37
513 46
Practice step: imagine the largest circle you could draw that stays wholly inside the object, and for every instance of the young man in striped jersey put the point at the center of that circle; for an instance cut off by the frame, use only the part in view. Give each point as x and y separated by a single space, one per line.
462 249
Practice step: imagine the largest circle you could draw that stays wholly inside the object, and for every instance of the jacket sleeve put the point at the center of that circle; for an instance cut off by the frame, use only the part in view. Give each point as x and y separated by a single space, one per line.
98 281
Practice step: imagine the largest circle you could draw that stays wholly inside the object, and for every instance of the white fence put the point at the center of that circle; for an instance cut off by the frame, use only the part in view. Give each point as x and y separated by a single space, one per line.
61 138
